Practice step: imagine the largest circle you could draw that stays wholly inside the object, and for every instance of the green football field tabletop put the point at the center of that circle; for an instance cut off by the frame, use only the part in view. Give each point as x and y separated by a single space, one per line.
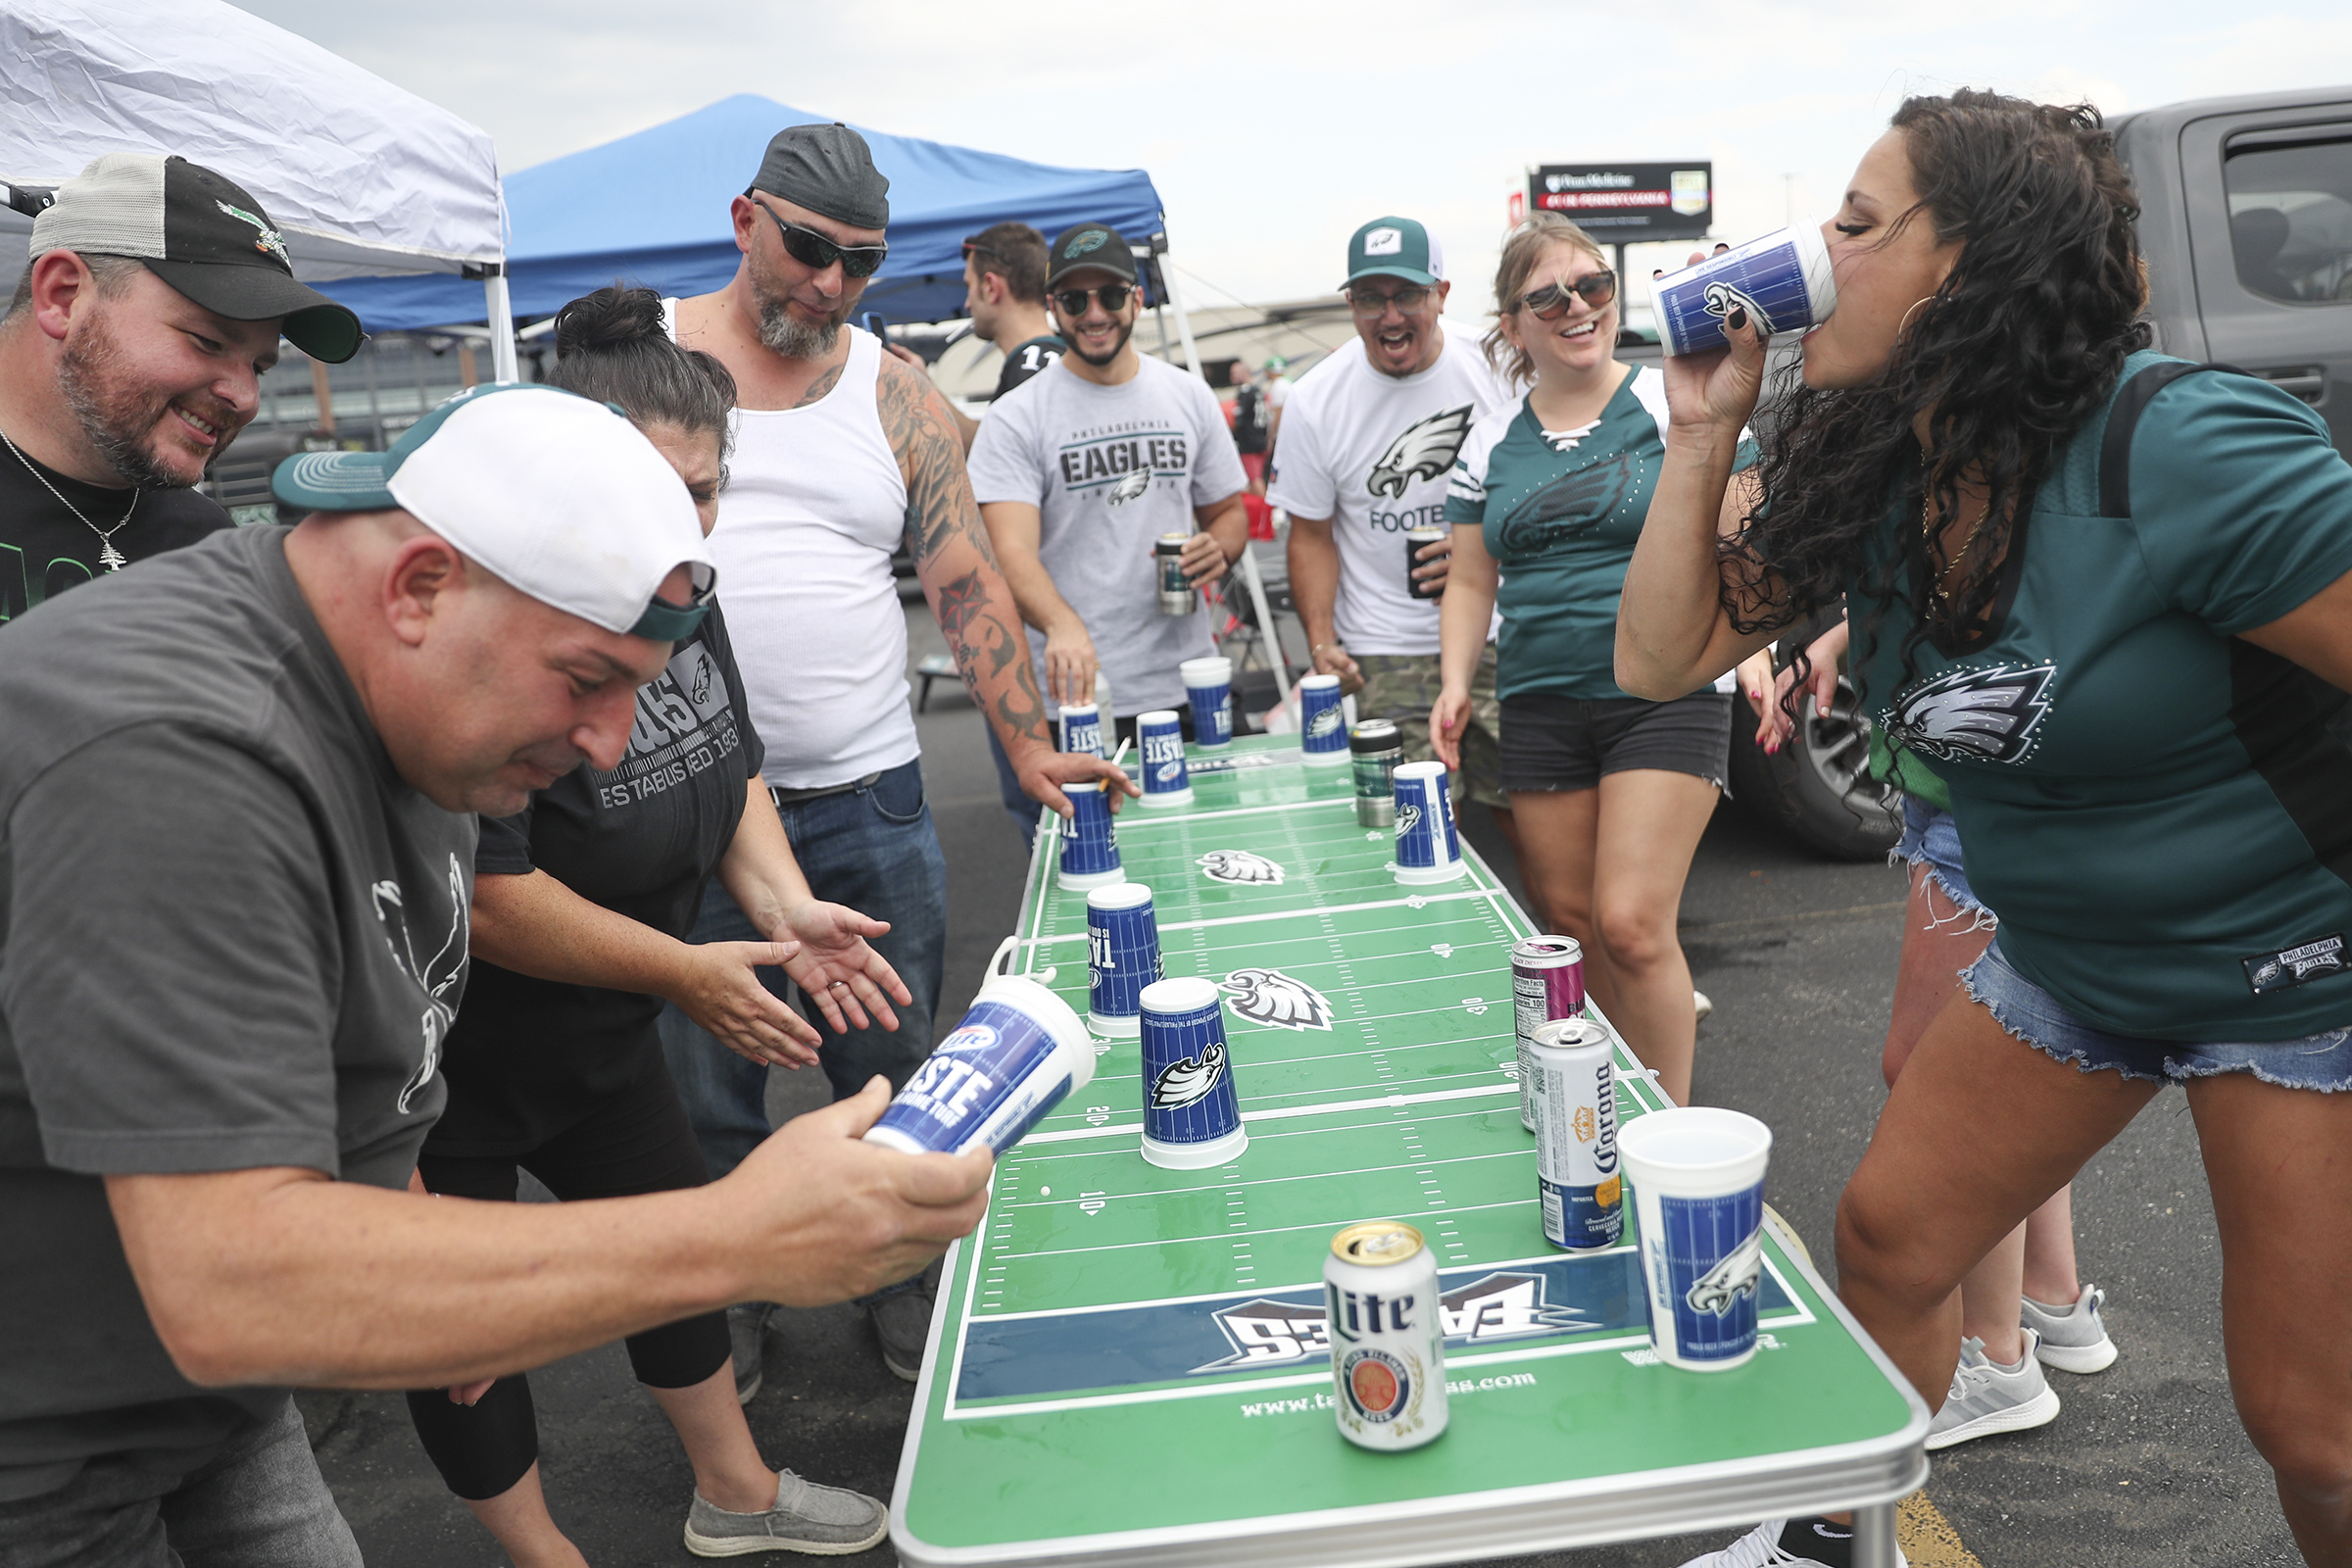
1127 1364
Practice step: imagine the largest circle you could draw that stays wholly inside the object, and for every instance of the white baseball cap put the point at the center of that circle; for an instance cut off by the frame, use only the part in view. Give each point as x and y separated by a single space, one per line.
557 494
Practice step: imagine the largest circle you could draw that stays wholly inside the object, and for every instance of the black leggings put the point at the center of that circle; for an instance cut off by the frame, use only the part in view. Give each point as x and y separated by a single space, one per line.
635 1143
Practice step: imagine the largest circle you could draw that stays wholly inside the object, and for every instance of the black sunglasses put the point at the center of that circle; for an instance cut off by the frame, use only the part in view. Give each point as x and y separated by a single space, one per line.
1113 295
1550 302
811 249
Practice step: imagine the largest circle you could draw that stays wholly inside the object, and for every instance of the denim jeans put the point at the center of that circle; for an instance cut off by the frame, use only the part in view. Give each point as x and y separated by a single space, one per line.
1017 804
258 1503
875 851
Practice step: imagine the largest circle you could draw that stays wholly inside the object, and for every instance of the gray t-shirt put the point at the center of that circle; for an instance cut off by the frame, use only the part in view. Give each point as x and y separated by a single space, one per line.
230 937
1110 469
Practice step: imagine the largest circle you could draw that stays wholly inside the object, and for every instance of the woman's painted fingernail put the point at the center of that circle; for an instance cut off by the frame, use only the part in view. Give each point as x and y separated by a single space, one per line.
1737 319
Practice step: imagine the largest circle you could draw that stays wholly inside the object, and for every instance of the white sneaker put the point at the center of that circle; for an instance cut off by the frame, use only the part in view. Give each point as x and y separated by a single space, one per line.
1988 1398
1703 1004
2074 1339
1811 1542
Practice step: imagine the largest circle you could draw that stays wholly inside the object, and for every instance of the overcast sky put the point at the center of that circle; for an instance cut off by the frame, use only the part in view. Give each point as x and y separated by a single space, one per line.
1272 130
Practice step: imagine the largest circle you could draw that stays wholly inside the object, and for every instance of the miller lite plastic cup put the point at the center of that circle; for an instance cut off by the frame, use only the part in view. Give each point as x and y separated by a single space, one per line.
1160 737
1082 729
1019 1052
1209 688
1697 1175
1428 849
1322 726
1122 956
1089 849
1783 282
1192 1116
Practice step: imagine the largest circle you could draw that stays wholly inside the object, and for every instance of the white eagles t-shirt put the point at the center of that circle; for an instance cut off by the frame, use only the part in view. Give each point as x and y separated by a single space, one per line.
1110 469
1372 451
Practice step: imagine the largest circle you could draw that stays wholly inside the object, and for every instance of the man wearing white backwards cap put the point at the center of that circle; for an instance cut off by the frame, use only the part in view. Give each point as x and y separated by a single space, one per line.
235 851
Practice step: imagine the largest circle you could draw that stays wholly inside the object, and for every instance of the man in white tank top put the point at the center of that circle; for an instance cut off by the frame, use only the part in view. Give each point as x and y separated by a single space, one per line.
842 451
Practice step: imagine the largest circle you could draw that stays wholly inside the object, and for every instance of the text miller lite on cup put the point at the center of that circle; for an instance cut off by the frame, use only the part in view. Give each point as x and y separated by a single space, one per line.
1698 1174
1428 849
1783 282
1322 725
1387 1336
1019 1052
1122 956
1082 729
1159 734
1192 1114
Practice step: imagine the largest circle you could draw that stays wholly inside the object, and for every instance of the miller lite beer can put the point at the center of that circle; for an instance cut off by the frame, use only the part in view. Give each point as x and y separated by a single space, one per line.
1577 1179
1322 726
1387 1336
1414 540
1192 1114
1547 982
1166 780
1176 595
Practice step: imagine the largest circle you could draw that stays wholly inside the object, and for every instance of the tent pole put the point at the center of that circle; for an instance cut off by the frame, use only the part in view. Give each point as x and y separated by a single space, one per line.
1268 632
503 366
1184 323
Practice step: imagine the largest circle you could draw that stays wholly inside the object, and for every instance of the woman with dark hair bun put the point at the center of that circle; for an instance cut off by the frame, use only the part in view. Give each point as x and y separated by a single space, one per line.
2109 604
582 904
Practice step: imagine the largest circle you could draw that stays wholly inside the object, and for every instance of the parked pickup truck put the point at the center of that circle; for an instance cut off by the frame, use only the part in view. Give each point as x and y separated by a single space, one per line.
2246 223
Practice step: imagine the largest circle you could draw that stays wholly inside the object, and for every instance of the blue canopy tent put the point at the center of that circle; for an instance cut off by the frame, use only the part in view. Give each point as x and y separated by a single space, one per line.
653 206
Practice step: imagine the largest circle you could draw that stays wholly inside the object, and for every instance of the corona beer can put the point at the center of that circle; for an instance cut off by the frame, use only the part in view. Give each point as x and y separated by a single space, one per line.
1414 540
1122 953
1547 982
1082 729
1192 1115
1577 1176
1176 595
1387 1336
1322 725
1428 849
1166 780
1377 748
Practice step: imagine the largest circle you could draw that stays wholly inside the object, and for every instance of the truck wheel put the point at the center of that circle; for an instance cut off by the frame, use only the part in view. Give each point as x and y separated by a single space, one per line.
1818 789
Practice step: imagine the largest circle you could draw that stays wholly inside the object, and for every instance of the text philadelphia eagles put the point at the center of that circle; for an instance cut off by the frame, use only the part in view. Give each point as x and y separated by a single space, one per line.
1161 453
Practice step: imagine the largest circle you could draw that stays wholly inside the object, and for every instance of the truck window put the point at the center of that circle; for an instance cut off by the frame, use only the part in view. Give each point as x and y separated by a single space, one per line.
2290 212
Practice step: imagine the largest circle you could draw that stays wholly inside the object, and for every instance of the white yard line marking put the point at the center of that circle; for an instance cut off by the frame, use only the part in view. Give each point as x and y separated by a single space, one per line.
1165 926
1336 1108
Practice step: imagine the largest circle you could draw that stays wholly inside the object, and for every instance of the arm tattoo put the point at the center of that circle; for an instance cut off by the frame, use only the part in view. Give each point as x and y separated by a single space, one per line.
940 509
987 649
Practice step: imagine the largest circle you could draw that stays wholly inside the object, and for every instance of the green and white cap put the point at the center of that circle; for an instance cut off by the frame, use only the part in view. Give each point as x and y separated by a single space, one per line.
1395 247
557 494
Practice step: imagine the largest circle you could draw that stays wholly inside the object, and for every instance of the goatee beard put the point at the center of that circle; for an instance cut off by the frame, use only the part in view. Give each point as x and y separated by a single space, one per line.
1125 332
794 339
113 422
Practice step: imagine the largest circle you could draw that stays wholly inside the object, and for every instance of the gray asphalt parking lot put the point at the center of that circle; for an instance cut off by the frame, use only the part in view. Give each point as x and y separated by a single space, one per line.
2144 1464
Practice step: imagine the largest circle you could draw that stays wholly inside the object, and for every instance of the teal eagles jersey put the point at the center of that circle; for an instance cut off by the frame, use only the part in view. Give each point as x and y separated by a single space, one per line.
2155 809
1560 511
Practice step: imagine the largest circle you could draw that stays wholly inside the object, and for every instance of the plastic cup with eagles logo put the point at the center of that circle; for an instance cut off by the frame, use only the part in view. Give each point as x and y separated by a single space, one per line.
1322 724
1090 849
1209 688
1697 1175
1159 735
1783 282
1428 847
1122 951
1192 1116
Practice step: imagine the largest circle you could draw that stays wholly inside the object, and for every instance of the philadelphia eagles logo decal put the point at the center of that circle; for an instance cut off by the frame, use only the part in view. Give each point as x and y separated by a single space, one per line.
1722 299
1735 1276
270 242
1238 865
1425 451
1567 506
1975 715
1408 817
1190 1081
1129 488
1270 997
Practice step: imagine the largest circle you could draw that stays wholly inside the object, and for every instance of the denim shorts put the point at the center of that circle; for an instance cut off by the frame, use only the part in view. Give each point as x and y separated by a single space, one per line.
1932 840
2321 1061
1551 742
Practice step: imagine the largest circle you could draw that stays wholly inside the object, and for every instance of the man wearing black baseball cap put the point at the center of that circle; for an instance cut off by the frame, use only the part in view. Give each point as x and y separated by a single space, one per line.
130 357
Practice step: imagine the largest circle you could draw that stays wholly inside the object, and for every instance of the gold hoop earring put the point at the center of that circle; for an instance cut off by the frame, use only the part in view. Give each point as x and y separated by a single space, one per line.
1905 323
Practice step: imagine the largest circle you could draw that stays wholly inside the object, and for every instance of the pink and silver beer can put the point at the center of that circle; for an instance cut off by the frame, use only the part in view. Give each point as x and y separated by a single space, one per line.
1547 982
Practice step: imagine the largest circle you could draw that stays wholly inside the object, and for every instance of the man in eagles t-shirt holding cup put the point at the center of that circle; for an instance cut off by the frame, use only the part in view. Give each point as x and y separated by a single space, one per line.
1079 472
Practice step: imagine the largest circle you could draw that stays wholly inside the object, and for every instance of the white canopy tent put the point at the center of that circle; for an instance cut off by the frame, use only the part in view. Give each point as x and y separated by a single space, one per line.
361 178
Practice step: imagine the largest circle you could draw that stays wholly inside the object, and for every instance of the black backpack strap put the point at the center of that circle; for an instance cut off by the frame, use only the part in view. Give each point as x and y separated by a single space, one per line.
2131 400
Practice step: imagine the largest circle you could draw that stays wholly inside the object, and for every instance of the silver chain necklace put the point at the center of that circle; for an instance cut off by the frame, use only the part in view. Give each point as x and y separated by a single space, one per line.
109 556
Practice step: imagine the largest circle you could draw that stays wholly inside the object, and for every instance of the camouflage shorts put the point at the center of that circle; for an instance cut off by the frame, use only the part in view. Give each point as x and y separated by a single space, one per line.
1402 688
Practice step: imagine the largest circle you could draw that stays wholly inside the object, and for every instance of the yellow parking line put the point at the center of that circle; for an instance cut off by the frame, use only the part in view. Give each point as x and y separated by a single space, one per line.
1928 1537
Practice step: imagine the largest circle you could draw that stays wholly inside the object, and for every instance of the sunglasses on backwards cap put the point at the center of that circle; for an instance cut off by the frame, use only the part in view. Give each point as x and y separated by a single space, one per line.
811 249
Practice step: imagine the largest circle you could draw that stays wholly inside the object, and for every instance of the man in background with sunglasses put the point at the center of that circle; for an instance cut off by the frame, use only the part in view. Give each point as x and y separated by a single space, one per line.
1370 436
1080 471
841 451
1005 295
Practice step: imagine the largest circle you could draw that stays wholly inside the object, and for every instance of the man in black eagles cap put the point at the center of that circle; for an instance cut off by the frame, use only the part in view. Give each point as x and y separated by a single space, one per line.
130 355
842 451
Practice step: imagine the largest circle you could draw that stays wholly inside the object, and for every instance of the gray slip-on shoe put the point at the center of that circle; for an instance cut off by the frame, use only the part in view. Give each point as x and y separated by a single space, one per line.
826 1521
